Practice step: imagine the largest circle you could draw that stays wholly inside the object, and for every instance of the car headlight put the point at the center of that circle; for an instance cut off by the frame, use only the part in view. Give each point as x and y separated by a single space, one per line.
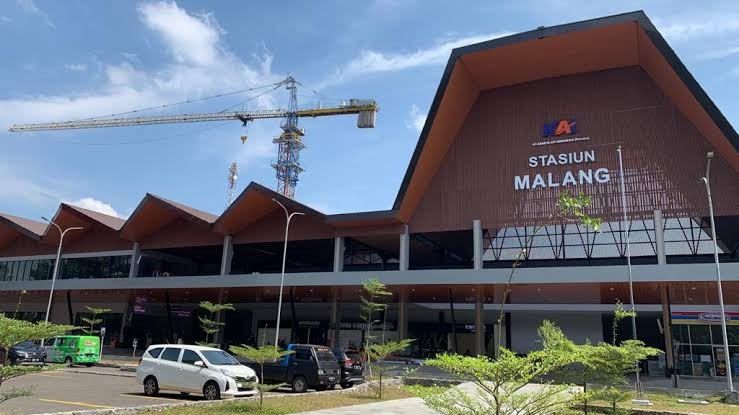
321 372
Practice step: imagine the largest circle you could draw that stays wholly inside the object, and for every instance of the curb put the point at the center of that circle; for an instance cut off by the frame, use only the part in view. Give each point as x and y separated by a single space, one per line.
87 372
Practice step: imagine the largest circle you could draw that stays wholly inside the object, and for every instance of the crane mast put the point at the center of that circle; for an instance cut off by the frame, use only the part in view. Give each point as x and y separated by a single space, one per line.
289 142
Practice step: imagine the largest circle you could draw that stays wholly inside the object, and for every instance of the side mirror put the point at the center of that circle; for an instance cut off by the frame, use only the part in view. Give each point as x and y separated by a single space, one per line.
199 363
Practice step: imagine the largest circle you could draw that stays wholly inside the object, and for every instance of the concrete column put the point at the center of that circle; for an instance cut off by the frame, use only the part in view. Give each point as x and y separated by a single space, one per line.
403 313
667 327
477 243
228 251
124 319
480 322
135 257
659 237
334 320
338 254
404 249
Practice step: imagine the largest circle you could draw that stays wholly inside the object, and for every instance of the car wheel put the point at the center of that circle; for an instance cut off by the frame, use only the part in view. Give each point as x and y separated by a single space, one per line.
88 364
347 385
331 387
151 386
68 361
300 385
211 391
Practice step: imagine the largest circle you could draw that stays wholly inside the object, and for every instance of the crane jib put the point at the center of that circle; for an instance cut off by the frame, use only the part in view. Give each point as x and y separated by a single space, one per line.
366 109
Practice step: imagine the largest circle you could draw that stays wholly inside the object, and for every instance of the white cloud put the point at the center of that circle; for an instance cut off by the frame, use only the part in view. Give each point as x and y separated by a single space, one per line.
201 68
718 53
189 38
95 205
5 19
416 119
21 186
76 67
29 6
687 27
370 61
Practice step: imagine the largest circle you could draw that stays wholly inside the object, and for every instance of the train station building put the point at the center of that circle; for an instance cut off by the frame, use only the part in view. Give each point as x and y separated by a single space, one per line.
514 122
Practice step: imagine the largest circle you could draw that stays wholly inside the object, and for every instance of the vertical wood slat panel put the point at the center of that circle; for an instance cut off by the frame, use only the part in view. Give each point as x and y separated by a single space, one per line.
663 154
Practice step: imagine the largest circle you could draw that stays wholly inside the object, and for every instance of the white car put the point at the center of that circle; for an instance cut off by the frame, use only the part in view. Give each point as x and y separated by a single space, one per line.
194 369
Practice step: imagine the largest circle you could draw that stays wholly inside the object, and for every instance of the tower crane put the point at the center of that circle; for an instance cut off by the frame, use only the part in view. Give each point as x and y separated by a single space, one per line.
289 142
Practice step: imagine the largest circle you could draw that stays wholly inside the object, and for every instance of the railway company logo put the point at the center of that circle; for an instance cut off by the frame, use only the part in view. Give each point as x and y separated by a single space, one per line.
561 127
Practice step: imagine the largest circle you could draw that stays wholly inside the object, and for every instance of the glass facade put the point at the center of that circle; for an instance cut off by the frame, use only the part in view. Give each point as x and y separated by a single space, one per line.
96 267
72 268
683 237
699 349
26 270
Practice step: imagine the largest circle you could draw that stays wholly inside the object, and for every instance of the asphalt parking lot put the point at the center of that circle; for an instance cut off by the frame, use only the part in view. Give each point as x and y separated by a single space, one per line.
81 388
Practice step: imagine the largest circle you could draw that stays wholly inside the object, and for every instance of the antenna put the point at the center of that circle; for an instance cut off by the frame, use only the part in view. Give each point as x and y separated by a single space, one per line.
233 171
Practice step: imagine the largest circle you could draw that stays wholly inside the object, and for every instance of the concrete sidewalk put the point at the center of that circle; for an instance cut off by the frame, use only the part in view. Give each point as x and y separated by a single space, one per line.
413 406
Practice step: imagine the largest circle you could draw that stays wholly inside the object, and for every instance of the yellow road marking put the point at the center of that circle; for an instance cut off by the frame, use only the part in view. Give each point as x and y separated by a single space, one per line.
133 395
89 405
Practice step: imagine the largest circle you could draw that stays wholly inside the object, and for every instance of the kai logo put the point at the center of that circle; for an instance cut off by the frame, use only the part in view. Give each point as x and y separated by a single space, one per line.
560 127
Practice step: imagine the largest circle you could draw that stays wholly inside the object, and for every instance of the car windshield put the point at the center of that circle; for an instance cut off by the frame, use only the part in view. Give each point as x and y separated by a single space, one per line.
25 345
325 355
219 358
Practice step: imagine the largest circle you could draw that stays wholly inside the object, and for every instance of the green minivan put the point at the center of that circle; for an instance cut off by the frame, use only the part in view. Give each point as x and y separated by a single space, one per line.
73 350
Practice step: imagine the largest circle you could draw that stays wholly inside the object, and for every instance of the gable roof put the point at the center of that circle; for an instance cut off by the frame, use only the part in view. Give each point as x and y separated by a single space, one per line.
30 228
254 203
113 222
610 42
155 212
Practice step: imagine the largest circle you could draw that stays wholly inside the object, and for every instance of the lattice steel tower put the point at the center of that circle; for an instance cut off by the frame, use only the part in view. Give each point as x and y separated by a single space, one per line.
290 143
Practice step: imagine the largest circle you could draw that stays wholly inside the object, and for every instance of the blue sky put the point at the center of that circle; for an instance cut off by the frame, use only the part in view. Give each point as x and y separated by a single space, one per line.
78 59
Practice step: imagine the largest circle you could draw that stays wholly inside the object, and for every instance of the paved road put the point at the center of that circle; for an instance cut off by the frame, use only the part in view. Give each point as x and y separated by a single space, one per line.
64 390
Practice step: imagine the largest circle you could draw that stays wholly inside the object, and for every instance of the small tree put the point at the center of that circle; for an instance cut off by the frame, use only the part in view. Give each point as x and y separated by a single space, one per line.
620 314
373 301
93 321
260 356
381 351
14 331
208 324
498 385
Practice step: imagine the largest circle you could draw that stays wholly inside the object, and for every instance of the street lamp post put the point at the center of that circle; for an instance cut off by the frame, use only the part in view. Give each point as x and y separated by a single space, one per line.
637 383
288 218
56 263
706 180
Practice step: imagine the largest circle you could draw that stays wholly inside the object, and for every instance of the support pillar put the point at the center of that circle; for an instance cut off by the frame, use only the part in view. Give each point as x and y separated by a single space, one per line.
338 254
228 251
135 257
334 329
404 249
667 328
479 322
659 237
477 243
403 314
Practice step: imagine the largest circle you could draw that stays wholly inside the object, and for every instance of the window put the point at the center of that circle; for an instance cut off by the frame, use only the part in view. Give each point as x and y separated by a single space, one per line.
155 352
219 358
190 357
171 354
303 354
62 341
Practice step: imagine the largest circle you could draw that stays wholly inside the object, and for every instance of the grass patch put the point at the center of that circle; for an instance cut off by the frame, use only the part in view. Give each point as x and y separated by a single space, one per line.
667 402
292 403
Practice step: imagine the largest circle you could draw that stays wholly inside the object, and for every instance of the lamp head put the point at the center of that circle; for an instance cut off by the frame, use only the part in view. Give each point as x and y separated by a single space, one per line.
709 155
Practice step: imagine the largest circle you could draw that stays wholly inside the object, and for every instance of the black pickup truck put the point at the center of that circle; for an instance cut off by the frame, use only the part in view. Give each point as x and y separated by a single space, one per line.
308 367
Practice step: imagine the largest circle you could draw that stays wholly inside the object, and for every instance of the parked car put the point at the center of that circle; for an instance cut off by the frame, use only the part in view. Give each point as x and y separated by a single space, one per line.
308 367
73 350
352 369
25 352
194 369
